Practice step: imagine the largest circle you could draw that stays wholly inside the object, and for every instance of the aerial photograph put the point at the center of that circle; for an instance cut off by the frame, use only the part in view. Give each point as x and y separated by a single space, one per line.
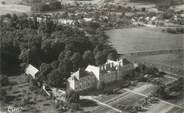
91 56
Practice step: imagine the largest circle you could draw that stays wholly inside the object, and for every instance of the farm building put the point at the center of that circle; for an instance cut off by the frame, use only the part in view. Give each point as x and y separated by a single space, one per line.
31 70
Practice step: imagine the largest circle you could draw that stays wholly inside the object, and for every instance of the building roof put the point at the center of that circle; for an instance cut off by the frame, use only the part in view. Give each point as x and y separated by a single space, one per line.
31 70
88 19
115 63
93 69
79 74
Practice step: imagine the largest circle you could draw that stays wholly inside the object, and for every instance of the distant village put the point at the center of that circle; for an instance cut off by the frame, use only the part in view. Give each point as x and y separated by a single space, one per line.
114 16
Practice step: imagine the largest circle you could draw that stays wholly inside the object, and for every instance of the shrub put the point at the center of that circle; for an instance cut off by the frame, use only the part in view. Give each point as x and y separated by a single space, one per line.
100 85
4 80
3 94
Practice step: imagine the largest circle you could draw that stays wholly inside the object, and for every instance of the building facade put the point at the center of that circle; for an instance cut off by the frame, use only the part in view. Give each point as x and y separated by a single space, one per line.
81 80
109 72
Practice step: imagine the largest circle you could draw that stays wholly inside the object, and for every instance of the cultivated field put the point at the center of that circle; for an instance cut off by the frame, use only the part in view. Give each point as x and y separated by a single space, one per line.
144 39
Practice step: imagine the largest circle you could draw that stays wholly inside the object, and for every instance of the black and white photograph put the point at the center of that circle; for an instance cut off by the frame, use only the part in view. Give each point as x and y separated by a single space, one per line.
91 56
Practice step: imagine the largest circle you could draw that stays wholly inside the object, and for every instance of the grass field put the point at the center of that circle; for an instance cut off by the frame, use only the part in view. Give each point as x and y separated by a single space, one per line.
144 39
173 60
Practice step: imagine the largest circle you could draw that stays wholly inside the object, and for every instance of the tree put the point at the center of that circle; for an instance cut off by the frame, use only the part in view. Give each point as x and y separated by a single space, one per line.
92 27
97 49
72 96
55 5
112 55
100 58
152 70
45 69
76 61
54 64
24 55
88 57
51 49
55 79
9 52
100 85
66 54
4 80
3 94
39 7
161 91
141 68
66 67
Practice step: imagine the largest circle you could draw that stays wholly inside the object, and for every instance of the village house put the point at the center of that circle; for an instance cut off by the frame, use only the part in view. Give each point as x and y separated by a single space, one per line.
111 71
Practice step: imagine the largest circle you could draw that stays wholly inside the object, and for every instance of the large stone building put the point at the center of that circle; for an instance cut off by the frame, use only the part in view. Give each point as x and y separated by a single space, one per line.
81 80
109 72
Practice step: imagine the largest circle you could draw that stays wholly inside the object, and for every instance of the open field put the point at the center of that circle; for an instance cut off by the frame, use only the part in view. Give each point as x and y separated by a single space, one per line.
172 63
12 6
173 60
11 1
179 7
131 40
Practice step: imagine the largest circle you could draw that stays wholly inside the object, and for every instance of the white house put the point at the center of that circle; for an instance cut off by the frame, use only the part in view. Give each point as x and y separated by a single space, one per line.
88 19
31 70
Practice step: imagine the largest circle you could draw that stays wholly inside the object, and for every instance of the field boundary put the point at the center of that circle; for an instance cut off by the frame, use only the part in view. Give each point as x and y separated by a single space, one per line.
154 52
